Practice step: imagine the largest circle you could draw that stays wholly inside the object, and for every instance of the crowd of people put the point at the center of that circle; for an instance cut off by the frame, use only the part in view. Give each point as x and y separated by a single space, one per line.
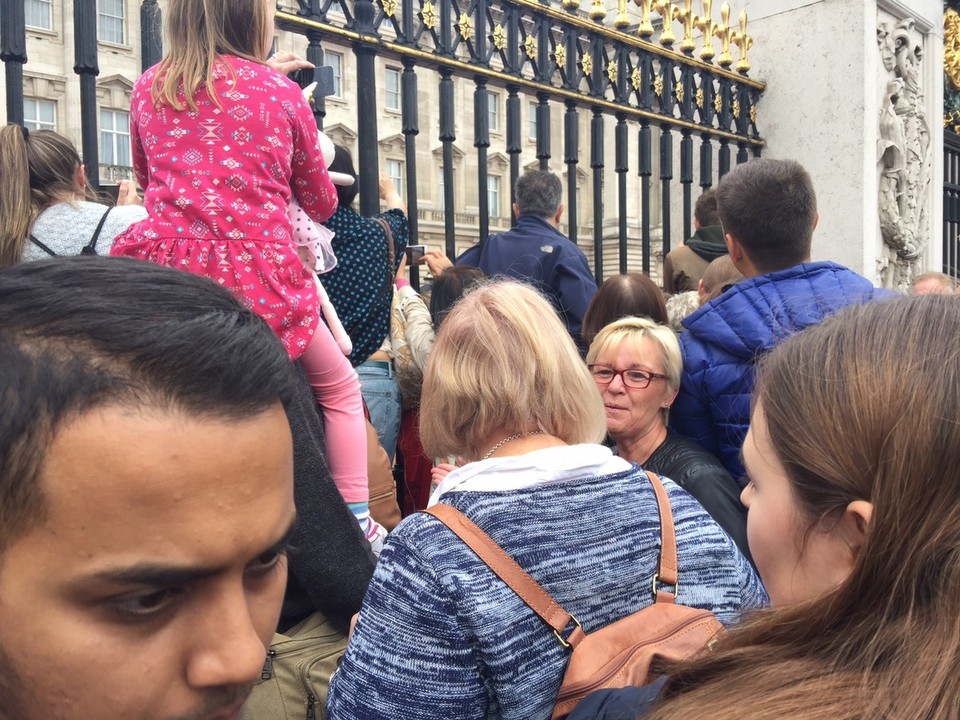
199 422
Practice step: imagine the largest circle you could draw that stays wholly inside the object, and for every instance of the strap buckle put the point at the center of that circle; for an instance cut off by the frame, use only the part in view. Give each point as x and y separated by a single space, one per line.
561 639
656 579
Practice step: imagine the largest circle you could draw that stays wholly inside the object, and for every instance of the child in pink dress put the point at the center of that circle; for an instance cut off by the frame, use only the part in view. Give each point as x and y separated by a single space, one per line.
222 144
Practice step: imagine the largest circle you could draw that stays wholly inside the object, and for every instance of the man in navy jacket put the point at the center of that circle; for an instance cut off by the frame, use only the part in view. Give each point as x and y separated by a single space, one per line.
536 252
768 211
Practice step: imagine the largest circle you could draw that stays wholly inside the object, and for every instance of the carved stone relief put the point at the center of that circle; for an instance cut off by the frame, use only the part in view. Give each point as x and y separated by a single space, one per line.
903 155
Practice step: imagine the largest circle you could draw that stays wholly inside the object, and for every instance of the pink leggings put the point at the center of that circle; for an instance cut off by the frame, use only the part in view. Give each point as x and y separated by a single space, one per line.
337 389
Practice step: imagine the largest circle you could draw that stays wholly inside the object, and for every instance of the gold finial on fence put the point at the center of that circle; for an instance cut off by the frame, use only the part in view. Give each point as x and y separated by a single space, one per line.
705 24
686 17
645 29
570 5
598 11
743 42
723 31
665 9
622 20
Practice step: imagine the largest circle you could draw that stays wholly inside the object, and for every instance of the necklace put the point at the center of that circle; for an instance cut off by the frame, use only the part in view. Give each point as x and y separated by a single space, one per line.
509 438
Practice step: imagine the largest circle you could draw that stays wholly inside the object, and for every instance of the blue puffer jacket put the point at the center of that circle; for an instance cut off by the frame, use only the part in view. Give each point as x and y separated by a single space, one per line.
725 338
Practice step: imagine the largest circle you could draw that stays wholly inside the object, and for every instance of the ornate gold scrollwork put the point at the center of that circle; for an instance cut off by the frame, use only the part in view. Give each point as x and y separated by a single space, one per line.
587 64
736 108
429 15
723 32
530 47
389 7
666 10
951 46
622 20
699 97
636 77
645 28
499 37
686 18
598 11
465 27
678 91
718 103
612 71
705 24
753 114
658 86
560 55
743 42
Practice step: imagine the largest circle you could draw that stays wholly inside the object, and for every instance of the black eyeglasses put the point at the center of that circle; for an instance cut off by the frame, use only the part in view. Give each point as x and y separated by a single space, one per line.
637 379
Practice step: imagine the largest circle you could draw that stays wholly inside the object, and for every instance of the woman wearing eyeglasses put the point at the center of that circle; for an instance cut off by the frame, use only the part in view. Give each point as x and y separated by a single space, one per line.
636 365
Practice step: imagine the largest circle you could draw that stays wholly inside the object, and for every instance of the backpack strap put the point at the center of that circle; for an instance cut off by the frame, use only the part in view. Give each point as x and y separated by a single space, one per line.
531 592
43 247
91 247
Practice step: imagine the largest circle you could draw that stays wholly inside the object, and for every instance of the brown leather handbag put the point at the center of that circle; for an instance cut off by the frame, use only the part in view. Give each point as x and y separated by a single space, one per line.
626 652
383 504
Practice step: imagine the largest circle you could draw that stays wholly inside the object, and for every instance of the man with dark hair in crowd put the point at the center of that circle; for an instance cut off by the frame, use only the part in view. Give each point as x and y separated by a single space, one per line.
768 210
684 266
536 252
146 492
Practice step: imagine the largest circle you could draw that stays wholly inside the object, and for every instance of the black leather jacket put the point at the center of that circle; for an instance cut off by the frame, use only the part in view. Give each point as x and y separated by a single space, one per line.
701 474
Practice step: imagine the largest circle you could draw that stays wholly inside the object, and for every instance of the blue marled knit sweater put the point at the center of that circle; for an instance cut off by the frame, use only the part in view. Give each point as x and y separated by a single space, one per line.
440 636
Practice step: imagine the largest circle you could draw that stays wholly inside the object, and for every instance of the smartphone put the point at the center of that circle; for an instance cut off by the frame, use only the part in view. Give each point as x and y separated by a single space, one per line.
320 77
110 191
414 253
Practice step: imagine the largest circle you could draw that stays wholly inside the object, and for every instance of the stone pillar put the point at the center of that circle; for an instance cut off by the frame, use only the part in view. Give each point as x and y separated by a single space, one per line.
855 93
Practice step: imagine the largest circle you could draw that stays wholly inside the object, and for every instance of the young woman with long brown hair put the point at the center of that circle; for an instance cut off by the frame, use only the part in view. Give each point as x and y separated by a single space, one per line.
854 521
46 204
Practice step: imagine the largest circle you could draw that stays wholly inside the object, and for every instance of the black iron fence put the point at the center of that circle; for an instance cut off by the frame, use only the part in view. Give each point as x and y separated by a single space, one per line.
634 73
951 203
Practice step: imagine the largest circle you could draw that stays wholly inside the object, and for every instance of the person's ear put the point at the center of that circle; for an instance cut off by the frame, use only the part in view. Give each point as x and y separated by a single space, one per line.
556 218
701 290
80 176
671 395
855 524
516 210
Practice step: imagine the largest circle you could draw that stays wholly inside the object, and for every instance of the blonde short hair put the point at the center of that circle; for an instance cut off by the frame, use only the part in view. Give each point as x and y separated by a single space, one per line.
503 362
633 330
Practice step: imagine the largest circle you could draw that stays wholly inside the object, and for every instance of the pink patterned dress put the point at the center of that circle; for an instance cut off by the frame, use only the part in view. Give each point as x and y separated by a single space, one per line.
218 182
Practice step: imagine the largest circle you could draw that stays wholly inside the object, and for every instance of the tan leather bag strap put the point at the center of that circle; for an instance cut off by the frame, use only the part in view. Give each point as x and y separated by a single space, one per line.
667 571
504 566
529 590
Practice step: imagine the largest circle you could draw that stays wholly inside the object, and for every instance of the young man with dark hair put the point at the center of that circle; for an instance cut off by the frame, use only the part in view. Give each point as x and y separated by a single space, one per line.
535 251
683 267
768 210
146 492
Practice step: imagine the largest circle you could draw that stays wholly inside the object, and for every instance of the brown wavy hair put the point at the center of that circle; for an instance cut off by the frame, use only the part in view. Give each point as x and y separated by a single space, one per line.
627 295
864 406
37 169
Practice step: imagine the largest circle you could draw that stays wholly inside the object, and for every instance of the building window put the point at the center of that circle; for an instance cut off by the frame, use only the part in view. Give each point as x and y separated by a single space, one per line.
110 21
493 100
39 114
335 61
38 13
493 195
395 173
114 137
532 125
393 89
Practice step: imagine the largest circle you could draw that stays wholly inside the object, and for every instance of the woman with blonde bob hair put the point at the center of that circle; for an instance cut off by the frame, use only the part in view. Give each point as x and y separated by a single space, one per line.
853 457
636 365
439 636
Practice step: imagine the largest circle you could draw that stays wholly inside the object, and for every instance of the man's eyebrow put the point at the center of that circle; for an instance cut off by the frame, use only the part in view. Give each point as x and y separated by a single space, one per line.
160 575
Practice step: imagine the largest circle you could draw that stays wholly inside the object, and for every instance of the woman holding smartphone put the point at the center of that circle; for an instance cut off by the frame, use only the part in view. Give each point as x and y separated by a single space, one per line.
360 287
